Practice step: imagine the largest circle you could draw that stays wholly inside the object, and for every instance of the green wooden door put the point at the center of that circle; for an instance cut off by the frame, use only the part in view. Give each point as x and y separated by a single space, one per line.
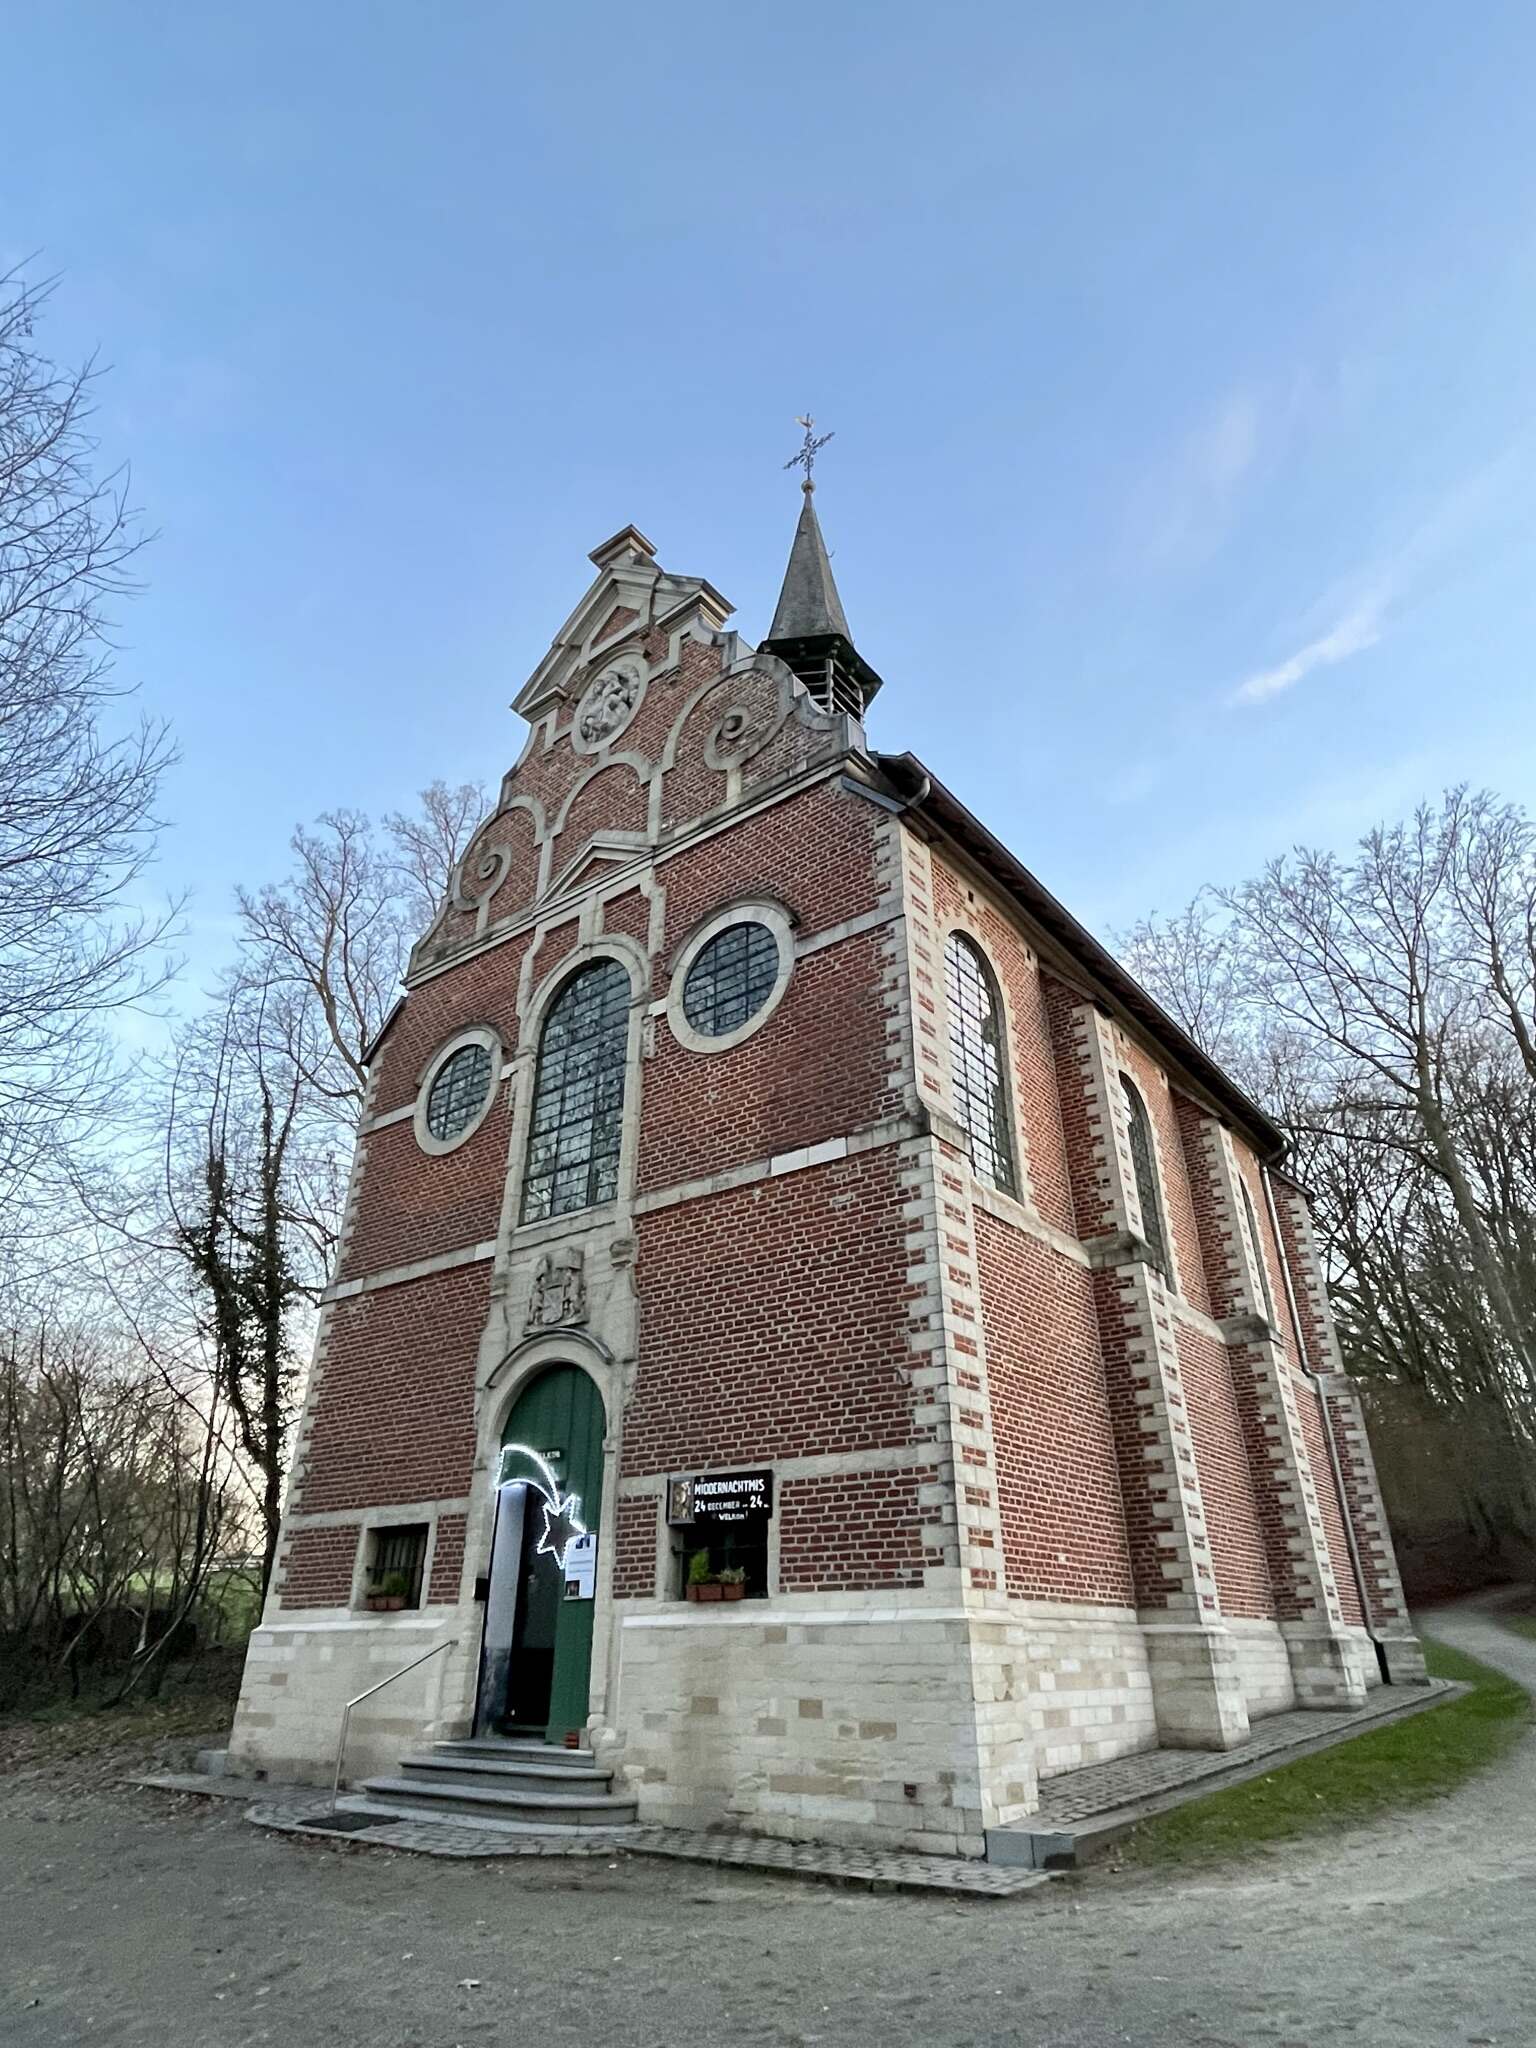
560 1416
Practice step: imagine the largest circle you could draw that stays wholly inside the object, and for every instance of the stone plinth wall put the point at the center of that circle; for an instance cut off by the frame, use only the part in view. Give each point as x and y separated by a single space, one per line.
299 1677
853 1724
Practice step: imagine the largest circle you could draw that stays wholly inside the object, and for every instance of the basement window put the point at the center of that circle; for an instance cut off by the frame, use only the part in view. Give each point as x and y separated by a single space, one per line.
397 1555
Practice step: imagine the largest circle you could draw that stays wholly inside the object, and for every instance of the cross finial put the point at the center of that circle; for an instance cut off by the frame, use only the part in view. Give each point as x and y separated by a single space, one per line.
805 455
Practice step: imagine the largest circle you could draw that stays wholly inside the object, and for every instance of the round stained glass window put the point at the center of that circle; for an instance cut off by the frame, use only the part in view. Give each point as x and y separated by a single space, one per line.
731 979
458 1092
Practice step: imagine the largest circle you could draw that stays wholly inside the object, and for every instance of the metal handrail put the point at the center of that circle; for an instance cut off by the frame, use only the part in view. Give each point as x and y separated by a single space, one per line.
346 1712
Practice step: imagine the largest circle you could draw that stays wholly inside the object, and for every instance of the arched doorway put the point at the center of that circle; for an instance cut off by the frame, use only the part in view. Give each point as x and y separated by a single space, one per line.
536 1659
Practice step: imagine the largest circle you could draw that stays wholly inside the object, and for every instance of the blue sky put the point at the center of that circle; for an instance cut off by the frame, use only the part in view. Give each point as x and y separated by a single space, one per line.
1180 361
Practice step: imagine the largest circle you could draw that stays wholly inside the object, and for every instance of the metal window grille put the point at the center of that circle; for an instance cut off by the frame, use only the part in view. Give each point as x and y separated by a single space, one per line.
977 1062
1144 1165
401 1549
731 979
576 1125
458 1089
1258 1249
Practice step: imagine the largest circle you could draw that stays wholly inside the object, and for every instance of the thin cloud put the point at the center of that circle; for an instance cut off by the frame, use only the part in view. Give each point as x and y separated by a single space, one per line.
1359 629
1454 524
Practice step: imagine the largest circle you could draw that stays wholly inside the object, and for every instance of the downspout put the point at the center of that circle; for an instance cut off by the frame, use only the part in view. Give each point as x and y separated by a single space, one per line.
1356 1562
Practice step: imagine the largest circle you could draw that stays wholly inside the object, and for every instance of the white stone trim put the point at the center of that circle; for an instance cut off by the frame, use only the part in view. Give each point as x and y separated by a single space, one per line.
893 1132
752 910
476 1034
342 1518
831 1465
687 1614
1130 1192
556 908
391 1116
405 1517
1019 1216
419 1269
968 927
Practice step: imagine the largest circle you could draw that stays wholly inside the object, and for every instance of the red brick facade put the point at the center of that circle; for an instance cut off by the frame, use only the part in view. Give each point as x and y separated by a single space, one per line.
965 1395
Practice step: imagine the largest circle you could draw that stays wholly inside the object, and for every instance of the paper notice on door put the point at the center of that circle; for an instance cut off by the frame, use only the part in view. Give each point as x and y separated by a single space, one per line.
581 1567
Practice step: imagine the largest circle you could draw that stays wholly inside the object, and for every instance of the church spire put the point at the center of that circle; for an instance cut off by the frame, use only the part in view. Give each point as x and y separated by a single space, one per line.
810 630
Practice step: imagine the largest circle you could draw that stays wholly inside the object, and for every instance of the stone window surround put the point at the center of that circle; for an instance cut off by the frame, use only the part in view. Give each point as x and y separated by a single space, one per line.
747 910
369 1519
534 1005
1121 1080
475 1034
969 927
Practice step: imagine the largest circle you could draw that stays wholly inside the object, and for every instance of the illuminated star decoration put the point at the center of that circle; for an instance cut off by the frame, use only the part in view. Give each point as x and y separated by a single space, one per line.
562 1526
562 1517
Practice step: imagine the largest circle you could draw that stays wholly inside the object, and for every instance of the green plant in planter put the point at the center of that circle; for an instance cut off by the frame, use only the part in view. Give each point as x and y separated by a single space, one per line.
391 1591
733 1575
703 1584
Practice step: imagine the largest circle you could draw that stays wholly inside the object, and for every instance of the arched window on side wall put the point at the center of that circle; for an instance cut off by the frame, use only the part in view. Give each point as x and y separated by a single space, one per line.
978 1058
1258 1249
1144 1164
577 1121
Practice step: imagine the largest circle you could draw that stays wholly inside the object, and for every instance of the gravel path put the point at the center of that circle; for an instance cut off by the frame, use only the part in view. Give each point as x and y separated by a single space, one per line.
129 1918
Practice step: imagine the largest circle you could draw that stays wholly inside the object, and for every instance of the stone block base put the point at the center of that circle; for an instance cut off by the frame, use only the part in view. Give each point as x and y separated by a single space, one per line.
1197 1686
1330 1670
1264 1664
300 1675
1404 1657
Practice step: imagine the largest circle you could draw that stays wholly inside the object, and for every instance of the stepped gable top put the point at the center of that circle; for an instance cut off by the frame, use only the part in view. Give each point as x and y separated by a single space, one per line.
922 792
630 580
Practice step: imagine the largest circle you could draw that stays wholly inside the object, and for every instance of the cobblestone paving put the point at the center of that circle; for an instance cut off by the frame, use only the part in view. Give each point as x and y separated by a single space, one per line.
444 1837
739 1852
1104 1788
865 1866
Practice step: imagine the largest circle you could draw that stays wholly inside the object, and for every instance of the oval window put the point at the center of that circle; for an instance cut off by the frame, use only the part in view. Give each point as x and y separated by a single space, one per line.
731 979
458 1090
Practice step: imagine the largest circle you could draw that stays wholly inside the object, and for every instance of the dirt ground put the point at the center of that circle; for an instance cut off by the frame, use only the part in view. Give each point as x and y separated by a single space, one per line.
126 1917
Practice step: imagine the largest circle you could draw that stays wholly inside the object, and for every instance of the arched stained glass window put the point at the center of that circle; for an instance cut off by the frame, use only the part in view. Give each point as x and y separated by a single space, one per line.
577 1119
978 1061
1144 1164
1258 1249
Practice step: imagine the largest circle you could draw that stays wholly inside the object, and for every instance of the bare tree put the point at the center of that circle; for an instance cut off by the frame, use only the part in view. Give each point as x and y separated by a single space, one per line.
77 819
329 943
117 1505
232 1141
1384 1005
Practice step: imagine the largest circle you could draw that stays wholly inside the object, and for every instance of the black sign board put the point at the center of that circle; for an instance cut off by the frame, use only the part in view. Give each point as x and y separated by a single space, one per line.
714 1497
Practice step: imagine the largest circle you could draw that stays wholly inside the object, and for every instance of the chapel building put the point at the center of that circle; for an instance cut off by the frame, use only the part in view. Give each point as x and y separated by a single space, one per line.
809 1330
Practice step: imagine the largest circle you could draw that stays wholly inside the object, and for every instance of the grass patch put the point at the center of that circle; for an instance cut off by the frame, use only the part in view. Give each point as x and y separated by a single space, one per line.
1522 1624
1423 1757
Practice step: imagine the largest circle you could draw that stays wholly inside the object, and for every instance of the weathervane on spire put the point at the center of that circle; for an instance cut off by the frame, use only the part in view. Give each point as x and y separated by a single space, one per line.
805 455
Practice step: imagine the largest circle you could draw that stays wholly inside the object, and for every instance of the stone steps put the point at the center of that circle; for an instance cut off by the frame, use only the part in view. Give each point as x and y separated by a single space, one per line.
503 1784
490 1770
521 1750
494 1803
